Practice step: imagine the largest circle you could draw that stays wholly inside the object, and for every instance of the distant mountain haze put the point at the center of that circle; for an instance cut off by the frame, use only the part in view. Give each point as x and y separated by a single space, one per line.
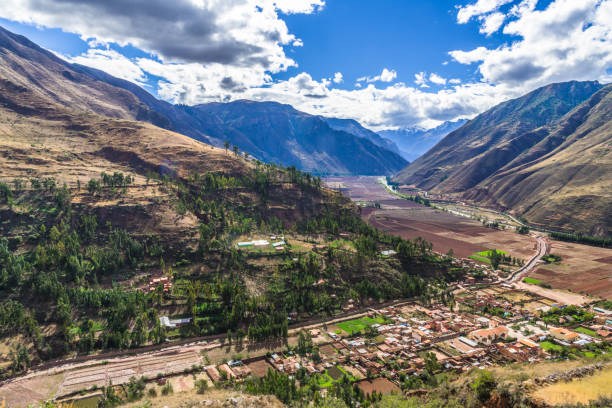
546 156
414 142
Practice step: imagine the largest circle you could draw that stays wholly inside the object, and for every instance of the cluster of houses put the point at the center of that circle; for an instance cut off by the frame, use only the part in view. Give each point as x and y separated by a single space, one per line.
409 334
164 282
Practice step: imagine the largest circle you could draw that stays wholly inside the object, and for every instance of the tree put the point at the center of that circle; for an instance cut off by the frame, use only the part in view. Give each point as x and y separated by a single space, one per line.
236 151
431 363
5 192
523 230
483 385
495 257
226 144
20 359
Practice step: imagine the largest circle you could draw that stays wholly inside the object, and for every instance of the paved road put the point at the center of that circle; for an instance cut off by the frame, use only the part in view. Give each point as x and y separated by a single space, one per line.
528 267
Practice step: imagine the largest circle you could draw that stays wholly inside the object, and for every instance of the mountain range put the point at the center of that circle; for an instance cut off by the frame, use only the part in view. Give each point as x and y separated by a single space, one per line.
546 156
274 132
415 141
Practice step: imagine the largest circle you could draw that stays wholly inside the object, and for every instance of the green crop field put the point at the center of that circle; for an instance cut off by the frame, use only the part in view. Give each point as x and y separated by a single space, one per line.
352 326
482 256
548 346
532 281
586 331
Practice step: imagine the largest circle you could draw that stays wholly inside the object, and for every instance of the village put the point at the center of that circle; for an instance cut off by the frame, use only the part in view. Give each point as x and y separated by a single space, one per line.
397 347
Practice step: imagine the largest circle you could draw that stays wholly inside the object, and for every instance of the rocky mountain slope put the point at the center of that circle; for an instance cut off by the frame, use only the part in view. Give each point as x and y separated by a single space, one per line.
545 156
312 145
414 142
278 133
353 127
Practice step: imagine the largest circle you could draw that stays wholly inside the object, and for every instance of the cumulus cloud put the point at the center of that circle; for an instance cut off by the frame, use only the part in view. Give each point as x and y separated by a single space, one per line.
111 62
237 32
568 40
491 23
437 79
220 50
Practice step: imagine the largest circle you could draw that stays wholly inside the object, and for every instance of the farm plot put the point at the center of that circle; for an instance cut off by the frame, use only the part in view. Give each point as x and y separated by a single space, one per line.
259 368
380 385
443 229
359 325
120 372
583 269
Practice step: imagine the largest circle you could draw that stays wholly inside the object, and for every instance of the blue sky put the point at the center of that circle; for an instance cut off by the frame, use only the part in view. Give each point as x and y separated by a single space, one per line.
388 63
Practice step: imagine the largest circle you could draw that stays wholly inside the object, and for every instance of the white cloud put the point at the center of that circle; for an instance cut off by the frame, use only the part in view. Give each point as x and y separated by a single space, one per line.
568 40
421 79
491 23
220 50
479 8
437 79
110 62
385 76
396 105
232 32
299 6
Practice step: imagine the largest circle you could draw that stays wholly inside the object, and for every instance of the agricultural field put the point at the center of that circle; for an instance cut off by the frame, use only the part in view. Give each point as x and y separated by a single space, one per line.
483 256
359 325
445 230
582 269
380 385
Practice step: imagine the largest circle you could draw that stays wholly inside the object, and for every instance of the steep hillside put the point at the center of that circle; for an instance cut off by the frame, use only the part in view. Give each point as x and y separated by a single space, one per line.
545 156
414 142
353 127
312 145
278 133
566 178
51 80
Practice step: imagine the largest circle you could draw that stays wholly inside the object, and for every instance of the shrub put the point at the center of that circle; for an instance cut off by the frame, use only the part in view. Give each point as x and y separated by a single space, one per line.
201 386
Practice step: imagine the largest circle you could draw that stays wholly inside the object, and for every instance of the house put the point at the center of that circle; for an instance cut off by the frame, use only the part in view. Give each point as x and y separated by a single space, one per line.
227 370
605 312
172 323
213 373
164 282
488 336
564 334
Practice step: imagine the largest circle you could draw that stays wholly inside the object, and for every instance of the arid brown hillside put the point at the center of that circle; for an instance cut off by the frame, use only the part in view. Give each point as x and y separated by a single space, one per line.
545 156
40 138
50 80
